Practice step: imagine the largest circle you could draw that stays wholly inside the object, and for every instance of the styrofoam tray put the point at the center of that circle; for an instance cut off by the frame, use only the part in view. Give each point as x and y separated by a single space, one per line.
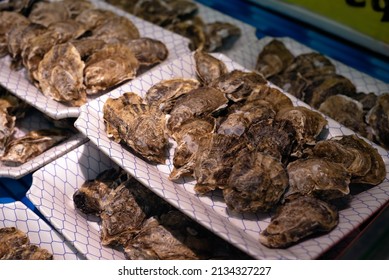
32 121
17 82
16 214
247 56
211 211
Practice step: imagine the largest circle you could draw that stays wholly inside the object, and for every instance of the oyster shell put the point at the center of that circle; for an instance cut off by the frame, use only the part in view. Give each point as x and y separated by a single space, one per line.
274 96
319 177
148 51
140 126
92 194
15 245
220 35
19 38
46 13
92 18
256 182
208 68
165 93
308 125
273 59
22 149
214 161
199 102
193 29
377 172
271 137
60 75
7 127
87 46
238 85
109 66
173 236
346 111
188 140
322 87
9 20
116 29
378 119
298 218
125 209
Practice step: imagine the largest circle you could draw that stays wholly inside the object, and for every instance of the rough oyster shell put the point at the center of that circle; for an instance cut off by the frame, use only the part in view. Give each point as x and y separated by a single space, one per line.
208 68
273 59
109 66
378 119
297 219
256 182
140 126
61 75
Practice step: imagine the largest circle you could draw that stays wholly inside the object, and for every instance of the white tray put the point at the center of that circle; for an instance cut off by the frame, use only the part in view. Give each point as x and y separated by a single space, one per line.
16 214
32 121
211 211
16 81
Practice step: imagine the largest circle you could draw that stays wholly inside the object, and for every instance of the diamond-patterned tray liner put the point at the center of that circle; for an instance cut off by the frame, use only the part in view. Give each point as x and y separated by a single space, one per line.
17 82
210 211
16 214
32 121
248 53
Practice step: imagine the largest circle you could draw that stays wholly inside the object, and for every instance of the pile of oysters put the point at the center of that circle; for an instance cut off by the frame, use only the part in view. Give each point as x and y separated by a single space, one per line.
236 133
16 150
70 49
143 224
312 78
181 17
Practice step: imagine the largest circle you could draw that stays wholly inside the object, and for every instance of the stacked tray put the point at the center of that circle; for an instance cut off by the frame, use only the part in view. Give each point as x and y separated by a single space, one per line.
210 211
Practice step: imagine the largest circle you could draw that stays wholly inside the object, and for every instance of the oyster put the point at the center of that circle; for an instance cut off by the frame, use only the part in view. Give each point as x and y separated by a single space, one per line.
238 85
77 7
193 29
291 82
298 218
346 111
9 20
377 172
37 47
214 161
274 96
311 65
322 87
199 102
115 29
19 38
242 116
319 177
46 13
22 149
140 126
125 209
378 119
165 93
173 236
15 245
220 35
208 68
256 182
92 194
86 46
148 51
188 140
273 59
109 66
308 125
7 127
92 18
60 75
271 137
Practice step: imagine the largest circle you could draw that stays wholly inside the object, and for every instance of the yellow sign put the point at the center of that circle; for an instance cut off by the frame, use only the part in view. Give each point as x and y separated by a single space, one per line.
370 17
